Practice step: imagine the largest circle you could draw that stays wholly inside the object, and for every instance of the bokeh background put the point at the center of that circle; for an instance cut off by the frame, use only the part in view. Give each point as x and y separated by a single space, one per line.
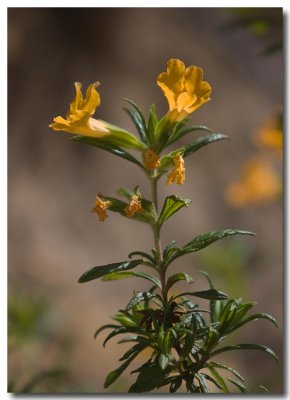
54 238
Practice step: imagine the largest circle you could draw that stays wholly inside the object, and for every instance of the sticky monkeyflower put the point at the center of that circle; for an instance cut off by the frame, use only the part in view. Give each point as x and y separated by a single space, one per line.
100 208
259 183
177 175
134 206
78 120
184 89
151 159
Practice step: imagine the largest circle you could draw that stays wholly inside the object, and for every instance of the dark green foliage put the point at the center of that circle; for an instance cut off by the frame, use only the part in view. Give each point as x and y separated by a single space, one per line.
183 340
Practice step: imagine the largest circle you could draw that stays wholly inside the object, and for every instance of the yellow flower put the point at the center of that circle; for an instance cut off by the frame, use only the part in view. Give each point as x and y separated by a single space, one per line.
259 183
134 206
184 89
151 159
178 174
78 119
100 208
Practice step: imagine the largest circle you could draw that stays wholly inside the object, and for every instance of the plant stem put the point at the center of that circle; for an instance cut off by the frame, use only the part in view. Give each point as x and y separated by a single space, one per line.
157 242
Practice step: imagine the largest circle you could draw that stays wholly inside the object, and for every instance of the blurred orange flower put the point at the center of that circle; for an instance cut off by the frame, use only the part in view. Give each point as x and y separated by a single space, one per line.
259 183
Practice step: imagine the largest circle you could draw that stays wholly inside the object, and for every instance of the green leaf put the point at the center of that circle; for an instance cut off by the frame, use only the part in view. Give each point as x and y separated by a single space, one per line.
107 326
182 276
111 148
114 375
211 294
151 376
201 142
178 133
98 272
138 120
175 385
204 240
223 366
239 385
202 383
122 275
142 254
171 205
151 124
221 383
163 361
140 296
255 317
246 346
135 349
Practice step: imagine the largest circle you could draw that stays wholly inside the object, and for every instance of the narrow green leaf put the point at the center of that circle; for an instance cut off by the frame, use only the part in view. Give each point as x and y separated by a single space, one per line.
255 317
151 376
135 116
138 120
201 142
178 133
98 272
122 275
118 331
211 294
175 385
135 349
163 361
239 385
219 379
171 205
111 148
204 240
107 326
182 276
202 383
151 124
142 254
140 296
246 346
223 366
114 375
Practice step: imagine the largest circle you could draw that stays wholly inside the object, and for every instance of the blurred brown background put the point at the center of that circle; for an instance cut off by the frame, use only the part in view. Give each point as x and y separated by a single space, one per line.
53 237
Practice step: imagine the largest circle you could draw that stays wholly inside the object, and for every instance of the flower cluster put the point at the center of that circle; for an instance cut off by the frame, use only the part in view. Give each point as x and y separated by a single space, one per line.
185 91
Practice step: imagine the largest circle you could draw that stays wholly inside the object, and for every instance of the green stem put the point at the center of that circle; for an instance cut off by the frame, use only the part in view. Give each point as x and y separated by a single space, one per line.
157 241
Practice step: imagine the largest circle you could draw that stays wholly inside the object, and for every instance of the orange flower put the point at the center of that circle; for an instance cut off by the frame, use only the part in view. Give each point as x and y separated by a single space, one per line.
134 206
100 208
178 174
151 159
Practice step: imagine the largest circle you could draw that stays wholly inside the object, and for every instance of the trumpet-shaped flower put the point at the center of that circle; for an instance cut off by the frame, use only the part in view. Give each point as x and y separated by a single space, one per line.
178 174
78 119
151 159
134 206
100 208
184 89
